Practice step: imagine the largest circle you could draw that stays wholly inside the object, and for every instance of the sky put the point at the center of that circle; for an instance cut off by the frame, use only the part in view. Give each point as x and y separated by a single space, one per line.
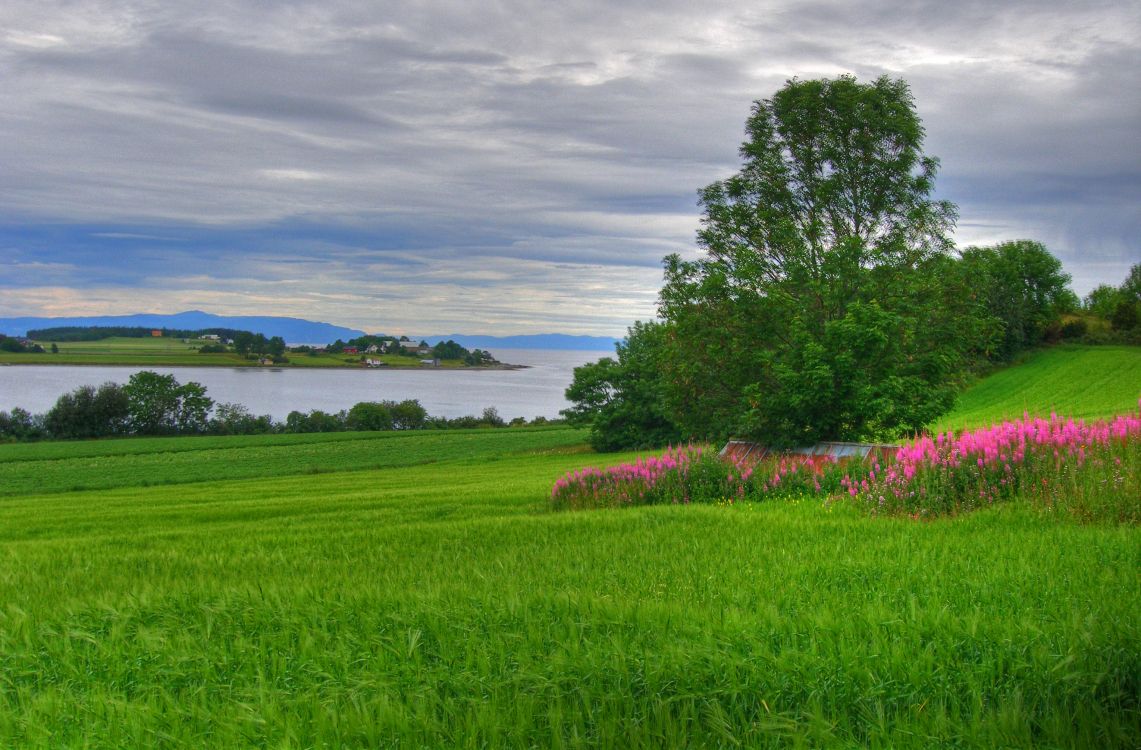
506 167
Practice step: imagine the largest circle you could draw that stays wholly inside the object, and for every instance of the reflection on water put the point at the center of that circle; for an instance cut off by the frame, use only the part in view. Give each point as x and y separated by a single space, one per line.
536 391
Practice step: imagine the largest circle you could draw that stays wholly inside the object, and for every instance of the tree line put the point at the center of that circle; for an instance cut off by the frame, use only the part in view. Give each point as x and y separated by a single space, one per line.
98 333
829 301
153 404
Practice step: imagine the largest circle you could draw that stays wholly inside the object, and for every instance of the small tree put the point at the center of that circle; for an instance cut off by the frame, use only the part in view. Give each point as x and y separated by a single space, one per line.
622 401
19 424
369 415
88 412
491 418
1022 286
159 405
409 415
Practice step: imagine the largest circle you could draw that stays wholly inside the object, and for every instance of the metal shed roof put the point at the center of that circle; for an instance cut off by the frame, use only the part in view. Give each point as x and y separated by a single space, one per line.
744 450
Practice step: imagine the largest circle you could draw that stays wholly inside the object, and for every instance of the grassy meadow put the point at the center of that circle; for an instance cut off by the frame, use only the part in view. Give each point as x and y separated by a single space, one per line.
1085 382
415 590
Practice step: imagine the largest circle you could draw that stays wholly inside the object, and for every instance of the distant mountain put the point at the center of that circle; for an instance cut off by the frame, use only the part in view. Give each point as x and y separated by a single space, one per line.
293 330
530 341
299 331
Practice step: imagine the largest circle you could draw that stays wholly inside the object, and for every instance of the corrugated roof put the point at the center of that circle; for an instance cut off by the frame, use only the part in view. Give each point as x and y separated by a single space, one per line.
747 451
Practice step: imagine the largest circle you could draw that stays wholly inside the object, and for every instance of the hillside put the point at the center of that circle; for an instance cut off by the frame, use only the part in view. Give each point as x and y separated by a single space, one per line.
1078 381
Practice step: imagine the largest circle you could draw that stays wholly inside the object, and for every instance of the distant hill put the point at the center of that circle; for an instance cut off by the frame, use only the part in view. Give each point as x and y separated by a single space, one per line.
530 341
299 331
293 330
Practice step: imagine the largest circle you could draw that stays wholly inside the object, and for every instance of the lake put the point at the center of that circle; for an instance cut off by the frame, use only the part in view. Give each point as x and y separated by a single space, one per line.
536 391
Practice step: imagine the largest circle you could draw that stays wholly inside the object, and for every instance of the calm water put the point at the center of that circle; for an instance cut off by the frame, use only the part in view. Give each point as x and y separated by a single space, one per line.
534 392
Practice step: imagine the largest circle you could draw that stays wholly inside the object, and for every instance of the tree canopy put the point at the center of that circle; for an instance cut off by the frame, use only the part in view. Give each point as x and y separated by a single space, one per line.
827 302
812 312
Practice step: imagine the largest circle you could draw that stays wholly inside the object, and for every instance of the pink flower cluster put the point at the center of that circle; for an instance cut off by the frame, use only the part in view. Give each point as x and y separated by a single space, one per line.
680 475
796 474
1031 455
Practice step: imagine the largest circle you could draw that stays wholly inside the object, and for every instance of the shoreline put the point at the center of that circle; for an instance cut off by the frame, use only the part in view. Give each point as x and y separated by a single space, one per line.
279 368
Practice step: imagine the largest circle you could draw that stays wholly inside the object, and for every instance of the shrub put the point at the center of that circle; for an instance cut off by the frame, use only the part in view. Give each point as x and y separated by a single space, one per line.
1074 329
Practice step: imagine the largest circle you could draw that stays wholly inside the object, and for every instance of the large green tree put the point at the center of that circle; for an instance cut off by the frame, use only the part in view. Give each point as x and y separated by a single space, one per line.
818 309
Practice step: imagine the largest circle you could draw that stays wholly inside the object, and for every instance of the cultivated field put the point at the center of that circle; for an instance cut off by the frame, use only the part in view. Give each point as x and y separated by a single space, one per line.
414 590
1077 381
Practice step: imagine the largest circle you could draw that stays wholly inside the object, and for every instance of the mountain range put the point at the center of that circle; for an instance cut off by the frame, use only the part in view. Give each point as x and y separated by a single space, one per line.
298 330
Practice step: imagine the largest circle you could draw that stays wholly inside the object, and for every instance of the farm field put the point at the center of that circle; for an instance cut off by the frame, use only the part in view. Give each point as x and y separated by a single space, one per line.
174 352
1078 381
414 590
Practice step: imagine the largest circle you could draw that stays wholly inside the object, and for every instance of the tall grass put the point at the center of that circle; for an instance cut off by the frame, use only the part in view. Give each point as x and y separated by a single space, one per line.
442 605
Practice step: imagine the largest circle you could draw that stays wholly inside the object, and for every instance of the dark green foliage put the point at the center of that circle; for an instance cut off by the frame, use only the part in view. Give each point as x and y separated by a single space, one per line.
160 405
622 401
409 415
19 424
314 421
449 350
18 347
1125 316
478 357
1102 301
88 412
235 419
256 344
1120 306
1022 286
1074 329
90 333
369 416
382 415
98 333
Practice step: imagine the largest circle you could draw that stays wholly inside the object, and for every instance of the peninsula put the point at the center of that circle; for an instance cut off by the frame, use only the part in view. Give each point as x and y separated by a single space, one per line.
228 348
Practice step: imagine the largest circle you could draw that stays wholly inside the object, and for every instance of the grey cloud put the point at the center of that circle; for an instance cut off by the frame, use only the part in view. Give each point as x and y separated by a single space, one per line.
480 138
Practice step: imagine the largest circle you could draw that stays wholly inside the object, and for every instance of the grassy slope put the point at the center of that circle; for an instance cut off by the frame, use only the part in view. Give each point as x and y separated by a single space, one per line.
1076 381
438 604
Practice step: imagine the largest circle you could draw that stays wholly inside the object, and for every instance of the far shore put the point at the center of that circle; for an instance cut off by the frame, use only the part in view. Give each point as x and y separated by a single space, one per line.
56 362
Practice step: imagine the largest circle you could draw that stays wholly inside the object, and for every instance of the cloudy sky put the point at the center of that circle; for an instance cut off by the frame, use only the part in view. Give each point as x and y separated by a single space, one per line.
505 167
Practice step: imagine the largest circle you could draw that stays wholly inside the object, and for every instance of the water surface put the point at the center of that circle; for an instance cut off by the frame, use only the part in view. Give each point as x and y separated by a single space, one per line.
536 391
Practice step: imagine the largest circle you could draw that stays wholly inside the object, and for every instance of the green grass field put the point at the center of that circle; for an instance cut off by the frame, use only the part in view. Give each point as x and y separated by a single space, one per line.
1077 381
418 593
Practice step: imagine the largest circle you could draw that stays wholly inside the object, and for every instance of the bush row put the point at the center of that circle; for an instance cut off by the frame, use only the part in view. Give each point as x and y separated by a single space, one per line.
153 404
